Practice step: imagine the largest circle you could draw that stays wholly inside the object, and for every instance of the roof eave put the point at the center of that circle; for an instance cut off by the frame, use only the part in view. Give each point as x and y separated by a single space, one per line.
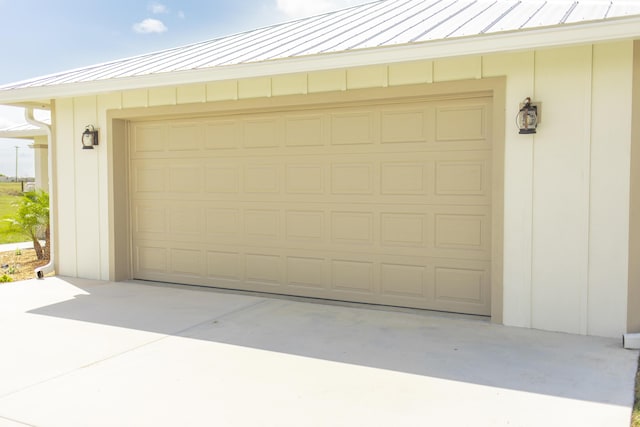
22 134
627 28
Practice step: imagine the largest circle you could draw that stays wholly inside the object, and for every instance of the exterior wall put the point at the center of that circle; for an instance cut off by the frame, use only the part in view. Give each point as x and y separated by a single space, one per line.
41 164
566 201
633 296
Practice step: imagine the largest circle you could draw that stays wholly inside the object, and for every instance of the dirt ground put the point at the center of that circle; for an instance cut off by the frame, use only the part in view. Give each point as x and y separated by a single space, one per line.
19 264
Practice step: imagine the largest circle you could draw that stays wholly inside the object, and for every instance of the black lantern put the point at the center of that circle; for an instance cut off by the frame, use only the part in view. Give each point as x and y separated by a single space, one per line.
89 138
527 119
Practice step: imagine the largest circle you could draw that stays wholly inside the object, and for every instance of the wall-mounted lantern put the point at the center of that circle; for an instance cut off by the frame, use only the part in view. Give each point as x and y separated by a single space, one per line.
89 138
528 117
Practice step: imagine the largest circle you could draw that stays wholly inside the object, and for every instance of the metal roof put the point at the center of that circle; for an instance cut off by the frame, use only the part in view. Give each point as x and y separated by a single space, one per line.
384 23
24 131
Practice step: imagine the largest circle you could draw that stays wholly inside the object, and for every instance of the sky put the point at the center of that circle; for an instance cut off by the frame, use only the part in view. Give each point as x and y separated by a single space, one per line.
39 37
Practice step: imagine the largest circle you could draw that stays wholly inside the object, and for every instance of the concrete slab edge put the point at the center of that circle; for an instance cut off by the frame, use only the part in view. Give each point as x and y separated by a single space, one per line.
631 341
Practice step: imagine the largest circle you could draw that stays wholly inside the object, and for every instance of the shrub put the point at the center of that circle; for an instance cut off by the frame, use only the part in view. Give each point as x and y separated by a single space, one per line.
32 217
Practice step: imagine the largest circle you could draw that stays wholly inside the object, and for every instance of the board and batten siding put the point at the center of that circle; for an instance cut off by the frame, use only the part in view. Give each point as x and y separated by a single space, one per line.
566 189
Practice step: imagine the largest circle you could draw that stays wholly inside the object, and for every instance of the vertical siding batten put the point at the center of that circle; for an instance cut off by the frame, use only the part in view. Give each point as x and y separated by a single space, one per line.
560 217
87 191
633 284
588 114
105 103
66 234
518 187
609 197
64 160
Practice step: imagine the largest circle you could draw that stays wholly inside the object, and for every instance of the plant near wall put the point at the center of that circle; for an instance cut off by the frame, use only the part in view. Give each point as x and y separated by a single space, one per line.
32 218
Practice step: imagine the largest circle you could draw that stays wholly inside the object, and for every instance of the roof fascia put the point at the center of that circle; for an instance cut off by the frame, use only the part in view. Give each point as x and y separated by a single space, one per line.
627 28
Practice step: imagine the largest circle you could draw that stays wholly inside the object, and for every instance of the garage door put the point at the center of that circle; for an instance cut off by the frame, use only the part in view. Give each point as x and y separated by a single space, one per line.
385 203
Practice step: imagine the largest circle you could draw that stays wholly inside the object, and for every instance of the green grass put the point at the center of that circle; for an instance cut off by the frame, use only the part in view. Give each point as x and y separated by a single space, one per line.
9 193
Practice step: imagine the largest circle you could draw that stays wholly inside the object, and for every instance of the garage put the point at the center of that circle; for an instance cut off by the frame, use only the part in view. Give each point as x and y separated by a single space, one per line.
383 202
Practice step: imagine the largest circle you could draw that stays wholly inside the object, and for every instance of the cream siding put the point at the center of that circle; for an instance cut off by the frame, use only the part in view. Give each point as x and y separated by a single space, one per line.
65 181
610 187
254 88
364 77
327 81
162 96
561 190
135 98
410 73
41 163
191 93
87 195
294 84
566 188
518 187
457 69
105 103
222 91
633 291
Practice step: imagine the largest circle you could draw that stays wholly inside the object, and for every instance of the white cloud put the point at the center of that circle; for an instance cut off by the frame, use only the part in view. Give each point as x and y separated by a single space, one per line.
149 25
181 15
302 8
157 8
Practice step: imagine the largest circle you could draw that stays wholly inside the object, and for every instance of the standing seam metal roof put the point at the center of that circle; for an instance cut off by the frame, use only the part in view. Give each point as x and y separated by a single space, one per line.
377 24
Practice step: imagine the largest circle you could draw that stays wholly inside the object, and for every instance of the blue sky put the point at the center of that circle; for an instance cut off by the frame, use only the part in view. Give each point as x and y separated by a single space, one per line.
39 37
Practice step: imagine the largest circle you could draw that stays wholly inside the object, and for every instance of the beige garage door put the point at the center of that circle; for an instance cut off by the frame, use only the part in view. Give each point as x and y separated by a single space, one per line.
378 203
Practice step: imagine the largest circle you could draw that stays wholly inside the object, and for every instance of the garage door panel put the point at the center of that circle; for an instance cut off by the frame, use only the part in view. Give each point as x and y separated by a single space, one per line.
305 226
223 222
461 122
353 128
462 288
352 276
450 179
404 178
262 224
185 178
305 130
224 266
424 282
263 269
305 178
261 133
148 139
148 178
467 178
149 219
222 135
151 258
185 262
408 125
388 204
222 179
404 281
262 178
306 272
185 219
185 137
438 231
352 228
352 178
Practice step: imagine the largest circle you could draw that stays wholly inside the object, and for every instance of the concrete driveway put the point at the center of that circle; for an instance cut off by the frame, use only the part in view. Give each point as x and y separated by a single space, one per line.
82 353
